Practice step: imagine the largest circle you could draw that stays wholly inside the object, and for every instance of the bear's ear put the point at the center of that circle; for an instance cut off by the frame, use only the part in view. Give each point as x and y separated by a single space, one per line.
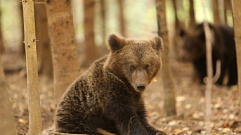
182 32
115 42
157 44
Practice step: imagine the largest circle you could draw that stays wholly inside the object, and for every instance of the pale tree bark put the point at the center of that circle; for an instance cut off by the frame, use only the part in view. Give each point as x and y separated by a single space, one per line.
192 20
122 17
7 126
168 86
209 67
209 83
215 11
90 49
237 33
35 123
64 50
103 18
43 46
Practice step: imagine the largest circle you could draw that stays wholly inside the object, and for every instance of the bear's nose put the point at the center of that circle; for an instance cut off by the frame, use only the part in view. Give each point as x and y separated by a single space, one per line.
141 87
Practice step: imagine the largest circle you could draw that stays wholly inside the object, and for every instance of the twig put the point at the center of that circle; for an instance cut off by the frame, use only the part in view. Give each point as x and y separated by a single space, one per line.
104 132
218 71
58 133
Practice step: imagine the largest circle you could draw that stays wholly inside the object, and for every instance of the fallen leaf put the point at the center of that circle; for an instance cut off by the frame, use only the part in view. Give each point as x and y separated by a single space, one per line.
188 106
22 121
172 123
218 106
225 125
154 79
180 98
226 130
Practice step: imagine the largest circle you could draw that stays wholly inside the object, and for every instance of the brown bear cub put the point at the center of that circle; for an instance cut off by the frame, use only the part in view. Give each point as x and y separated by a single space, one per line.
109 95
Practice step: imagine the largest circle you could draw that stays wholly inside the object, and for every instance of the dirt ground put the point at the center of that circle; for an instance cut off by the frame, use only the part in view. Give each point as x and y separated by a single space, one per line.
190 101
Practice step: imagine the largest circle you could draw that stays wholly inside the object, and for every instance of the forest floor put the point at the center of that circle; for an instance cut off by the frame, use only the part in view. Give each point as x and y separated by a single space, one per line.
190 102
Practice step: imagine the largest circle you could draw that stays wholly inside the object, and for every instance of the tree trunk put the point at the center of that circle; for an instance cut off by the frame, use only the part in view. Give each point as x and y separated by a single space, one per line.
103 18
35 123
21 51
237 32
176 31
215 11
2 48
227 8
64 50
192 21
168 86
7 126
177 23
44 50
90 51
225 11
122 18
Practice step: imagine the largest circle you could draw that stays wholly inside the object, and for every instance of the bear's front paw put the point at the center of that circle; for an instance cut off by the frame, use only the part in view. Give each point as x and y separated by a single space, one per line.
160 133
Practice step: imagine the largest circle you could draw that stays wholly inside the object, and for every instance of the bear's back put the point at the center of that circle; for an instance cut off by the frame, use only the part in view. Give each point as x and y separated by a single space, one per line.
88 95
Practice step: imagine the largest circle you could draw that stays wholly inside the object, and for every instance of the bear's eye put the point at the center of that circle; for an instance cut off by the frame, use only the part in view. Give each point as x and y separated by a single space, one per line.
147 66
132 67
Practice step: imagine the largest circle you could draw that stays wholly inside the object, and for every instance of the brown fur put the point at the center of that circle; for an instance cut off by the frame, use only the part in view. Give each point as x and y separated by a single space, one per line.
109 95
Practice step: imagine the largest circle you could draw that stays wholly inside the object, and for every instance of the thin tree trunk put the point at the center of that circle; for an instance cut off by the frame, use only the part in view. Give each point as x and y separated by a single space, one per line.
209 67
227 7
21 50
168 86
64 50
44 50
7 126
215 11
2 48
35 123
90 49
237 31
210 76
103 17
122 17
192 21
225 11
175 31
177 22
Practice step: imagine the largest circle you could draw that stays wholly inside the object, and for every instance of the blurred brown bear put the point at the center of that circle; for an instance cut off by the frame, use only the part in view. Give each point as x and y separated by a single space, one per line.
223 49
109 95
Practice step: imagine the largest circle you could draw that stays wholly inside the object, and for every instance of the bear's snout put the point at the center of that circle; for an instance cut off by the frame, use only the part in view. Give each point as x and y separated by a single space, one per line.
141 87
140 80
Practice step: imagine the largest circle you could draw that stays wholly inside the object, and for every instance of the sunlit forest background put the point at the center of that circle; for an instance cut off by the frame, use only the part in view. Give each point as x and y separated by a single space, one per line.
140 18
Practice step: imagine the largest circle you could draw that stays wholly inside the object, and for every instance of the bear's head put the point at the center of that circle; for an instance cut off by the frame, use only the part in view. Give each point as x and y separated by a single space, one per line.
135 62
193 43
